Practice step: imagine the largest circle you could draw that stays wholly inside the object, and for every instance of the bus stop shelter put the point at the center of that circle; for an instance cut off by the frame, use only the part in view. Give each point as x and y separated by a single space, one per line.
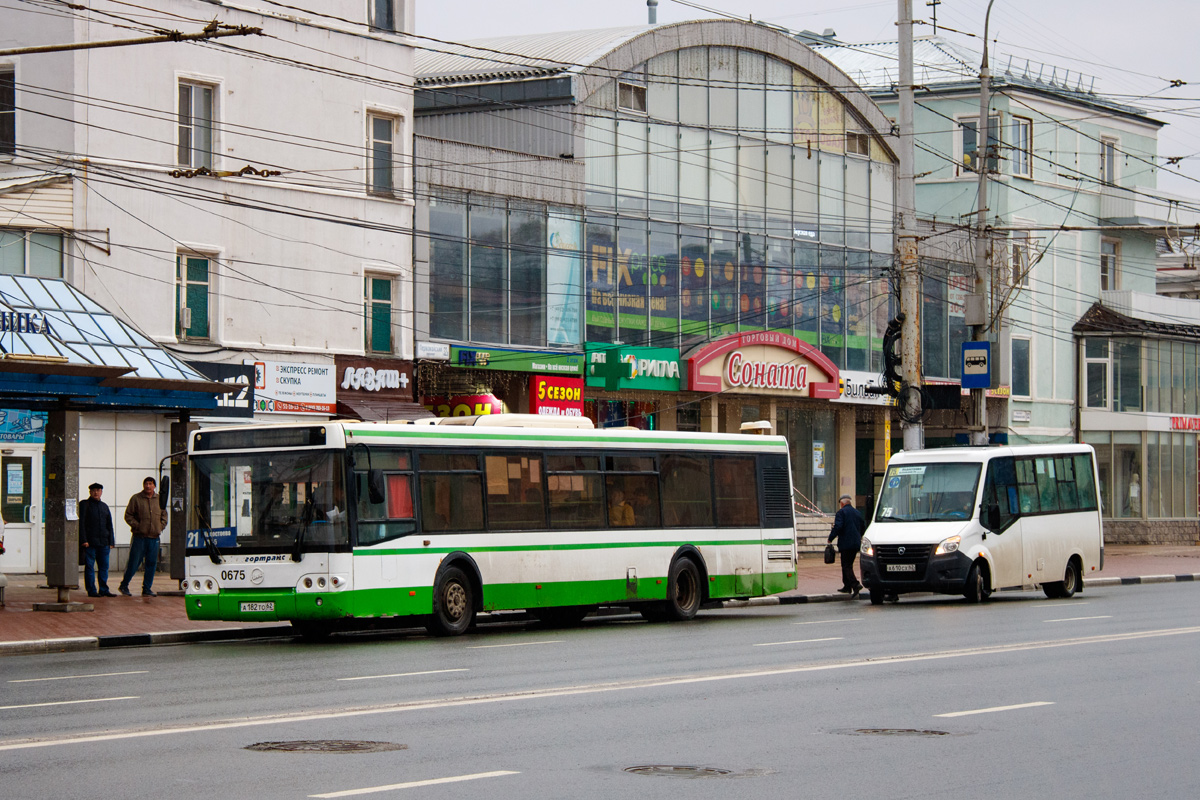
63 353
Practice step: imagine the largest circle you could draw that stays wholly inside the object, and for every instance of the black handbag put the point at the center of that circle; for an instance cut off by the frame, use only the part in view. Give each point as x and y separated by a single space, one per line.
830 554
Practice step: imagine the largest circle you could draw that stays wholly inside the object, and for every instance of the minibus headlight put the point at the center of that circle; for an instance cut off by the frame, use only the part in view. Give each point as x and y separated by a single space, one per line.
866 548
948 546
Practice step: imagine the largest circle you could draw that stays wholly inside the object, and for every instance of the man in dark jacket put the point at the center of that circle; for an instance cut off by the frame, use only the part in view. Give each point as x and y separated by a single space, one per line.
95 538
848 527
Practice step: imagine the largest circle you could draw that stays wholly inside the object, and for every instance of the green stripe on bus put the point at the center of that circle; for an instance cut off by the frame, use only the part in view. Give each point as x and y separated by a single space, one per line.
516 548
546 437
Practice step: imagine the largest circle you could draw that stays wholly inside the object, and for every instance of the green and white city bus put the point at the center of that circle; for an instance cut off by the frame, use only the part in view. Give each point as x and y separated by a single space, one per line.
330 524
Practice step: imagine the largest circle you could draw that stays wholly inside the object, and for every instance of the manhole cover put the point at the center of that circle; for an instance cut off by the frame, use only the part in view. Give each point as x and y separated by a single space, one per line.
897 732
326 746
678 771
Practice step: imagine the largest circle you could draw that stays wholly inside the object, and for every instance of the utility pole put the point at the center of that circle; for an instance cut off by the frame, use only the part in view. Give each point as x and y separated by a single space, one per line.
978 312
906 241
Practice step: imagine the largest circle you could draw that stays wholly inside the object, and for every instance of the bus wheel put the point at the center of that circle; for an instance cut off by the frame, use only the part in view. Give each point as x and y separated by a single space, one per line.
453 604
561 617
976 590
683 590
1067 586
877 596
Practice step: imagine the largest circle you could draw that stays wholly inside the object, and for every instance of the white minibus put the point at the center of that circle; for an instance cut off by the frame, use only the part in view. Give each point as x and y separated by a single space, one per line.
973 520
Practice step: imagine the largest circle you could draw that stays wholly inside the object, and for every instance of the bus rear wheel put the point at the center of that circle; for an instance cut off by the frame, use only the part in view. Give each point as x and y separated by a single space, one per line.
453 604
1067 586
683 590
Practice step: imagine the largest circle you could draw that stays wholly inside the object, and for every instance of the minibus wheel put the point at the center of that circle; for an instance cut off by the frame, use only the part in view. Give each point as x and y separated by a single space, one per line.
976 590
453 604
1067 586
877 596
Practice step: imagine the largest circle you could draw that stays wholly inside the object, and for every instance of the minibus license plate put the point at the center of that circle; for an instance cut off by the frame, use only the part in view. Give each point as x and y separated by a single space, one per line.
258 607
890 568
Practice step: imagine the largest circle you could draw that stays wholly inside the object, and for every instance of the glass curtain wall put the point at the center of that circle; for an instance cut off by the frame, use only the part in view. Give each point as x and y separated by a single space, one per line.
1146 475
730 203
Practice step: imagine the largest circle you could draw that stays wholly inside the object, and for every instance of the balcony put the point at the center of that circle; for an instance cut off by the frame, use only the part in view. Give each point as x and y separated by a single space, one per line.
1147 207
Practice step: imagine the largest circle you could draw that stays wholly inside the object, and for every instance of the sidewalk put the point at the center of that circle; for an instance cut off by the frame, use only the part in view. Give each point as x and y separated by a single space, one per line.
123 621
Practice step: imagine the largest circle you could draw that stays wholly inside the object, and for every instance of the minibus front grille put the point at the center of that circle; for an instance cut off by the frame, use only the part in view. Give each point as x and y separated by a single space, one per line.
915 554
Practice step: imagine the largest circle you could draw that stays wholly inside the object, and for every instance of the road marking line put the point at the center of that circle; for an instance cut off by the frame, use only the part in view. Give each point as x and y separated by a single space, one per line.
1077 619
825 621
69 702
414 784
802 641
515 644
402 674
589 689
994 708
73 677
1059 604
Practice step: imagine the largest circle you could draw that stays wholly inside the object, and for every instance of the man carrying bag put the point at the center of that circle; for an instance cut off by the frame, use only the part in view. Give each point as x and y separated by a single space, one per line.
848 527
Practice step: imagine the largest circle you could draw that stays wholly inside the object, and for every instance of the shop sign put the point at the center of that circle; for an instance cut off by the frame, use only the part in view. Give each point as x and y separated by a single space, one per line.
475 405
1185 423
238 403
854 386
23 322
18 426
385 379
556 396
517 360
653 369
290 387
761 363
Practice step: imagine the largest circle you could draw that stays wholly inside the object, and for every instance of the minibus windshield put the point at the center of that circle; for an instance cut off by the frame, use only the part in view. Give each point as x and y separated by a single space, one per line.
928 492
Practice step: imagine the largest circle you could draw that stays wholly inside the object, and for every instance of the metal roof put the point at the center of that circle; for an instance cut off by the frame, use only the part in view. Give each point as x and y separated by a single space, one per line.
941 64
517 57
48 319
17 183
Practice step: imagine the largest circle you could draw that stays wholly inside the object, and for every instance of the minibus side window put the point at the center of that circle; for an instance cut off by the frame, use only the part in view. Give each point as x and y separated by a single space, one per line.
1000 489
1084 482
1027 486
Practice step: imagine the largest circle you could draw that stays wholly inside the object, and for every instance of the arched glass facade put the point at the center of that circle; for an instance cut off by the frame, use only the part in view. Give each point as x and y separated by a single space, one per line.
729 191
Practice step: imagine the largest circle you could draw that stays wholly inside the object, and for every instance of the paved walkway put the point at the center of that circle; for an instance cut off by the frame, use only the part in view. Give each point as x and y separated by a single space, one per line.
146 620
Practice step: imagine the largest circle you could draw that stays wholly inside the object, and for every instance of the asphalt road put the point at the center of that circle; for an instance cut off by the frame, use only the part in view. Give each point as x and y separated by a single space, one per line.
931 698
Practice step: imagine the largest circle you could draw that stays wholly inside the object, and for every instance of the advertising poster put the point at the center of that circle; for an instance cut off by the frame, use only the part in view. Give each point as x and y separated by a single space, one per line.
285 387
556 396
818 459
563 281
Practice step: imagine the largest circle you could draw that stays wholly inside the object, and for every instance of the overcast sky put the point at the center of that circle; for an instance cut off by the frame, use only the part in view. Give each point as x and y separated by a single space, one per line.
1132 49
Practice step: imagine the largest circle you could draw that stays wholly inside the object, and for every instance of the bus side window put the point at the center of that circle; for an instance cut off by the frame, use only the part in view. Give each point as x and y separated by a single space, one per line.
1027 487
687 491
1000 488
1085 483
736 492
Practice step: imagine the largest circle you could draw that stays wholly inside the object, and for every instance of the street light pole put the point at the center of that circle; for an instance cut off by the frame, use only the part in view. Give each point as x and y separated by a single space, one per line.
906 239
978 312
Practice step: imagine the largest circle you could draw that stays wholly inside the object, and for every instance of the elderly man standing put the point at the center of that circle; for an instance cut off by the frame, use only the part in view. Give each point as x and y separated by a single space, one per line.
95 538
848 527
146 521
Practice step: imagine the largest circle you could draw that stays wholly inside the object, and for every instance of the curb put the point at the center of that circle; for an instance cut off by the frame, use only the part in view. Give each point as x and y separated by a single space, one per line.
81 643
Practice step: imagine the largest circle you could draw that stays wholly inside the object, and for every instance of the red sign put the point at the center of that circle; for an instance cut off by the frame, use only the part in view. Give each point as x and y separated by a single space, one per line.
761 363
464 406
556 396
1185 423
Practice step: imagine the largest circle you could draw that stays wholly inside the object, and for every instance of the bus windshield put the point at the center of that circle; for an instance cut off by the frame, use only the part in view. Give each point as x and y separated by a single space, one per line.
268 500
928 492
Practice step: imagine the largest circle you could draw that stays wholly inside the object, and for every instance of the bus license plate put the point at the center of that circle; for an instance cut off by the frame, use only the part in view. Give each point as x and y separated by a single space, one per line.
890 568
250 607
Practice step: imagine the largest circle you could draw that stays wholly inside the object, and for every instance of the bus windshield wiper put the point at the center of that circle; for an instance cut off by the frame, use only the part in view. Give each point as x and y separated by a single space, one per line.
210 544
306 520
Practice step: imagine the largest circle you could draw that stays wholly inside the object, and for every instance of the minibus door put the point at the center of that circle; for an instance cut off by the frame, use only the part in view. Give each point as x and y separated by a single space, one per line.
1001 519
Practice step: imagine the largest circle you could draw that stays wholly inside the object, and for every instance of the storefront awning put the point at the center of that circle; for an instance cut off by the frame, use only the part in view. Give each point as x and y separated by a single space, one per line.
381 410
61 349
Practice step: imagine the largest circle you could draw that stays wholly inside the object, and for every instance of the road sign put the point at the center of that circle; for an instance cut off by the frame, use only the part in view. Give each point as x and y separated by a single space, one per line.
976 365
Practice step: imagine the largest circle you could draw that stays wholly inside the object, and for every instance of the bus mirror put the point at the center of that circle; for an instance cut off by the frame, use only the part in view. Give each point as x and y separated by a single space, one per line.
991 517
375 487
164 492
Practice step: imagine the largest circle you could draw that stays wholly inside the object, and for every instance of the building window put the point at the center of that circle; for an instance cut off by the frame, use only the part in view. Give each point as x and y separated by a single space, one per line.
1022 258
631 97
196 124
8 111
383 15
970 143
377 314
192 287
1021 146
1110 265
1108 162
858 144
1020 368
1095 365
381 154
31 253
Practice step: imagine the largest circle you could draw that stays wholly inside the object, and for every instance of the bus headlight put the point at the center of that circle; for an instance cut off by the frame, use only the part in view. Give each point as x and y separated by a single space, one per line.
948 546
866 548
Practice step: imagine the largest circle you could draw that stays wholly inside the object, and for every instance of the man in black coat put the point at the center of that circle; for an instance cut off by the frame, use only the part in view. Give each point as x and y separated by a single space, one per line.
848 527
95 538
